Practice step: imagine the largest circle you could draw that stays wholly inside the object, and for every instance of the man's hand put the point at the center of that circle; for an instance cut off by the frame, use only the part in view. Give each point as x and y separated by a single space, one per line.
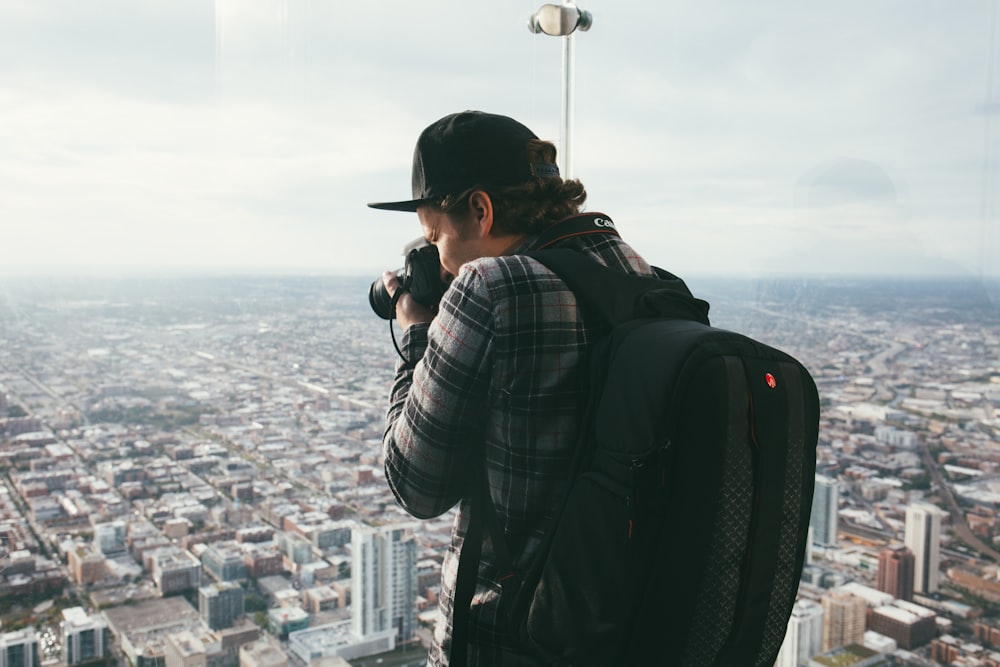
408 311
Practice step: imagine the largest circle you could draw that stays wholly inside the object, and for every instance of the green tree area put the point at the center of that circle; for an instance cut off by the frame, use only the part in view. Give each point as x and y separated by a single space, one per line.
165 420
15 411
17 611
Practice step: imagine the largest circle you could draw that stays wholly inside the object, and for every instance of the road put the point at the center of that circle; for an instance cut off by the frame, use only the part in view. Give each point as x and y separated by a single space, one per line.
958 524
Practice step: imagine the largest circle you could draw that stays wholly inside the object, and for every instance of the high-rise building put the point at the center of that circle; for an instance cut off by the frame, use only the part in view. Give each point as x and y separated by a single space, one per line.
175 570
843 619
823 518
220 604
923 537
384 581
896 567
109 538
224 561
804 636
85 566
19 648
84 637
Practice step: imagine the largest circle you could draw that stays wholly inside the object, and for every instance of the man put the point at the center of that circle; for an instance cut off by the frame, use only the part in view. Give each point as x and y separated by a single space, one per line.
494 390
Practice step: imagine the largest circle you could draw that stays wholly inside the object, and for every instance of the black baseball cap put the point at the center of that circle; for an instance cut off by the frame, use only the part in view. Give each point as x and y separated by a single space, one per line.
466 150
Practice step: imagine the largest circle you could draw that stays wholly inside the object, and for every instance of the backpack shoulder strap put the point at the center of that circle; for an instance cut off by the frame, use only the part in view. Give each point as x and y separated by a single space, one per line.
619 297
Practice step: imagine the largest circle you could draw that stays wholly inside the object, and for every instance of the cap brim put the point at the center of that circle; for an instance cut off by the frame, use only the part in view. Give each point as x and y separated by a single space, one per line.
408 205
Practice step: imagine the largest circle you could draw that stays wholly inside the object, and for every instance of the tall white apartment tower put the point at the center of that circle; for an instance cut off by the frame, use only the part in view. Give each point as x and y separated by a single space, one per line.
804 636
923 537
823 518
84 637
383 581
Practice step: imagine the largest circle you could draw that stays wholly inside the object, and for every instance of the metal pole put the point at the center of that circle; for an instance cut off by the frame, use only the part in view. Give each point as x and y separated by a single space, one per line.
562 21
567 106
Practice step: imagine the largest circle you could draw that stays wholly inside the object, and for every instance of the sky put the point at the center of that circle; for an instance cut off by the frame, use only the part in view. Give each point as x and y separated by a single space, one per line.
246 136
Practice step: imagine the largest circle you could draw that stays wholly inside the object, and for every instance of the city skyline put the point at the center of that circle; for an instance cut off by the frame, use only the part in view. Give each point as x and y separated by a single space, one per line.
161 438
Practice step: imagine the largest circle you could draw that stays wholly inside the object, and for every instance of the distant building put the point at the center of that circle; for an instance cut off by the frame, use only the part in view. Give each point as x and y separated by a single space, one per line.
84 637
284 620
896 568
804 636
823 518
986 634
262 653
109 538
384 581
19 649
184 649
320 599
895 437
945 650
224 561
843 619
923 537
141 629
219 605
334 644
295 548
175 570
85 566
263 562
909 624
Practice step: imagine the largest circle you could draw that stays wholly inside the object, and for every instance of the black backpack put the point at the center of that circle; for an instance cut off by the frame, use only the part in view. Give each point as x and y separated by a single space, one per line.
682 538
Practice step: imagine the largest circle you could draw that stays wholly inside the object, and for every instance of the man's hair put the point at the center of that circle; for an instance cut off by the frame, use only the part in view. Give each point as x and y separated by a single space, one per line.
530 207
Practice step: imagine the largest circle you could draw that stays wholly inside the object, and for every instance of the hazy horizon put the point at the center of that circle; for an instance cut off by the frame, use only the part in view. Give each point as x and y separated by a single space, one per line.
772 138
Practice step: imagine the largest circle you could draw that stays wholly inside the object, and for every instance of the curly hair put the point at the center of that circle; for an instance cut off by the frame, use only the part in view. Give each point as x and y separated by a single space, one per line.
530 207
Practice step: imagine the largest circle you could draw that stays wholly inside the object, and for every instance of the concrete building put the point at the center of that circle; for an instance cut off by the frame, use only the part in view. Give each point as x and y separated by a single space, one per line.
923 537
804 636
384 581
184 649
336 641
19 649
262 653
84 637
823 518
896 567
175 570
224 561
220 604
283 621
843 619
909 624
320 599
85 566
109 538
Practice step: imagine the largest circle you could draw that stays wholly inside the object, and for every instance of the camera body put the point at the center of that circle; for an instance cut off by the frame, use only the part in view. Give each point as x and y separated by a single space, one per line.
420 276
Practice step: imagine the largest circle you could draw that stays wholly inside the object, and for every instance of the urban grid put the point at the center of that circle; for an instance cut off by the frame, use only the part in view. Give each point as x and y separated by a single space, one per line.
191 474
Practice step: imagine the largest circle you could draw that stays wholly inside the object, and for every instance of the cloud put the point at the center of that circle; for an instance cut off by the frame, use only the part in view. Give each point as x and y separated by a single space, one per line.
179 133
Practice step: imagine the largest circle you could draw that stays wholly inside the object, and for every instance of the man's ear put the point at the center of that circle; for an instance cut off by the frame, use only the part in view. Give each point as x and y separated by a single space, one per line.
481 210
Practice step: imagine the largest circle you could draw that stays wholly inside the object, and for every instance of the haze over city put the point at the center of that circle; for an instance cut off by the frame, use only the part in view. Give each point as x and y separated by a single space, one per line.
193 386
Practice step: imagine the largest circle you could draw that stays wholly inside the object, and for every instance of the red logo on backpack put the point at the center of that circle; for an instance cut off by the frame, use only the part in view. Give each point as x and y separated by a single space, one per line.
769 379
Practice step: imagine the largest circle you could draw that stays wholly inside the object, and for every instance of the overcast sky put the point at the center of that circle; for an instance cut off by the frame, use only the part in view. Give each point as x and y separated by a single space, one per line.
722 137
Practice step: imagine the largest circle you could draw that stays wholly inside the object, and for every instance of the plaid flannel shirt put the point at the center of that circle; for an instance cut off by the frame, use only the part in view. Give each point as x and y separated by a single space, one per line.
500 377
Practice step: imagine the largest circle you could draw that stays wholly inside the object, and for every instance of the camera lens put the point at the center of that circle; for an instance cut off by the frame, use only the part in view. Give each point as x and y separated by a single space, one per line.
380 301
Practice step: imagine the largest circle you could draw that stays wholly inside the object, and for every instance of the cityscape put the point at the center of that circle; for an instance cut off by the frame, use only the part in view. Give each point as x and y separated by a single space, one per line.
191 473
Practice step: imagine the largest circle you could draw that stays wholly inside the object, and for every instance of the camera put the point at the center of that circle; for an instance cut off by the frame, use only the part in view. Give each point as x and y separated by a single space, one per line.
421 277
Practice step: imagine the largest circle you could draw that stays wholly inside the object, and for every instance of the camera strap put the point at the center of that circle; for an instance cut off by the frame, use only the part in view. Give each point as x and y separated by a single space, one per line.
576 225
